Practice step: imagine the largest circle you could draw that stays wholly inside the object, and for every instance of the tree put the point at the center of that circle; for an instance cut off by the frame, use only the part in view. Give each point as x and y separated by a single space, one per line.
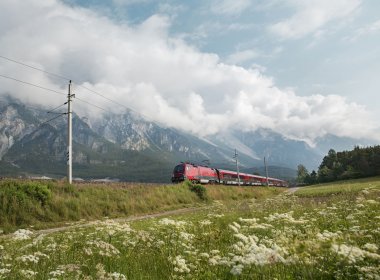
302 174
312 179
325 174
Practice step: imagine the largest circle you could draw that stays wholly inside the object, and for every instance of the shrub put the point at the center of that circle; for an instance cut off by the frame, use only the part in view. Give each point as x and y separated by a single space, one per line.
24 191
199 190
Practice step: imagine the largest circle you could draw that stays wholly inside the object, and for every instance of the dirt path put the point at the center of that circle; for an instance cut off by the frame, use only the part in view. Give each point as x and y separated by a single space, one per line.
127 219
292 190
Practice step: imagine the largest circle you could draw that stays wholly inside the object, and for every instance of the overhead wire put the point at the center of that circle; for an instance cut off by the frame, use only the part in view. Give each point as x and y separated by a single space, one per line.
91 104
35 68
81 86
51 111
31 84
52 90
52 119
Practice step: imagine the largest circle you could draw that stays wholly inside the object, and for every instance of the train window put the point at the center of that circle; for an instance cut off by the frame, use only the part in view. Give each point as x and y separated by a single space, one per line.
179 168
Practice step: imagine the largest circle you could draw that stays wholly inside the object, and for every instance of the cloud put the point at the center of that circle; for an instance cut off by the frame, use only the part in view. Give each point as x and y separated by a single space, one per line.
311 16
371 28
161 77
242 56
230 7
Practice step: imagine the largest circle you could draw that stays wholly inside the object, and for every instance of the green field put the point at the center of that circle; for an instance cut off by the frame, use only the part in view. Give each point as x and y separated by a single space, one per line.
44 204
320 232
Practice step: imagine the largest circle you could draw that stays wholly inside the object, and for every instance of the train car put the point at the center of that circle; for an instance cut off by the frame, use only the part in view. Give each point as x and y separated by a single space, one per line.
207 175
194 173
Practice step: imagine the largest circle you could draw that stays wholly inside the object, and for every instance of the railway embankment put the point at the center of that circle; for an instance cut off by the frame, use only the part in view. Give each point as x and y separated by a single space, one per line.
48 204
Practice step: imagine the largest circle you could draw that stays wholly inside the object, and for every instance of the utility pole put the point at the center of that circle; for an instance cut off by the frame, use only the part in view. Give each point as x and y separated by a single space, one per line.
266 171
69 136
237 166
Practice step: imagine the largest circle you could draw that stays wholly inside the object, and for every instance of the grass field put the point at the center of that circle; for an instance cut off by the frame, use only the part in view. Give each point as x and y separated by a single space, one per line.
321 232
43 204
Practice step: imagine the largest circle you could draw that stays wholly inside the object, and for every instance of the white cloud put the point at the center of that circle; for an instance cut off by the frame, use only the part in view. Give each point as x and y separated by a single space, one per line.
242 56
230 7
121 3
159 76
371 28
312 15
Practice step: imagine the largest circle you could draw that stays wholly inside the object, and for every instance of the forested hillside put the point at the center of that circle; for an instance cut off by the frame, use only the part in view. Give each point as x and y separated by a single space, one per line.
358 163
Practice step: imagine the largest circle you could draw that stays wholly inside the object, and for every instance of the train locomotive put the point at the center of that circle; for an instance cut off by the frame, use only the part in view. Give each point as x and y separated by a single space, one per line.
207 175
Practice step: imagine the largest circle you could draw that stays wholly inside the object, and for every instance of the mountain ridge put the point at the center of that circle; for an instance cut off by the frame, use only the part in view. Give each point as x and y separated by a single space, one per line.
129 147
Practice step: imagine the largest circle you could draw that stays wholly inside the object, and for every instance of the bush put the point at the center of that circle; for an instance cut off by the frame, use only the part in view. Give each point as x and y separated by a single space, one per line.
25 191
200 190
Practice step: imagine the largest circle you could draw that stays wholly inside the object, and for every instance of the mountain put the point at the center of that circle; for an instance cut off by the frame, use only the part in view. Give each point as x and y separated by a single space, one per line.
131 148
278 150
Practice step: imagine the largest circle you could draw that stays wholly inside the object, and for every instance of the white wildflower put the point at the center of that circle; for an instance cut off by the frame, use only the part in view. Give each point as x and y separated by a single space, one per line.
248 221
170 222
237 269
261 226
22 234
370 272
56 273
186 236
215 215
235 229
371 201
180 265
370 247
29 258
365 191
4 271
205 223
204 255
117 276
105 249
352 253
87 251
214 252
327 235
28 273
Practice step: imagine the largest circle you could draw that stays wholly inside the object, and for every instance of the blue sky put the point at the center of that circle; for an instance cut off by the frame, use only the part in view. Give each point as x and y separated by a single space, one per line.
302 68
339 56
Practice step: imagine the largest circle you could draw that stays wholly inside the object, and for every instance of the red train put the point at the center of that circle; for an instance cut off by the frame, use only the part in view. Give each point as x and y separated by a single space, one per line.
205 175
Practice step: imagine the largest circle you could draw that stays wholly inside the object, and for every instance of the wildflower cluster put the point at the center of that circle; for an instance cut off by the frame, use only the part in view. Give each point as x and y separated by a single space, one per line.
336 238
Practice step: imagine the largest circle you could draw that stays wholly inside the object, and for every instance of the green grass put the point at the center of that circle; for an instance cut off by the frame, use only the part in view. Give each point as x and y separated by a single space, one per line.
340 187
43 204
239 237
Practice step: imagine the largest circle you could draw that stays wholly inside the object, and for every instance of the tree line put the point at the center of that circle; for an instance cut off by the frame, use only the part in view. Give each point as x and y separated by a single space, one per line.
358 163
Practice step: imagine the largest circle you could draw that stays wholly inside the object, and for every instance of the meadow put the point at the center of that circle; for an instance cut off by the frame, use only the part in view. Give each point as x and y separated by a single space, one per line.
44 204
320 232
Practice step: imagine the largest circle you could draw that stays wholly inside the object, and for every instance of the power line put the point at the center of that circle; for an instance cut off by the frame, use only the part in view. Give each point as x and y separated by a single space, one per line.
84 101
62 77
117 103
68 79
35 68
30 84
51 111
52 119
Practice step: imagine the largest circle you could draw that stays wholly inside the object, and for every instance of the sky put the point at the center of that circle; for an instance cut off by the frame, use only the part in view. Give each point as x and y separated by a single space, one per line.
303 68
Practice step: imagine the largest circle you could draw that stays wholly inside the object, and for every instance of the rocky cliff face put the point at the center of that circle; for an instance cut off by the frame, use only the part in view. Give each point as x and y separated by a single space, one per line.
129 140
15 123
